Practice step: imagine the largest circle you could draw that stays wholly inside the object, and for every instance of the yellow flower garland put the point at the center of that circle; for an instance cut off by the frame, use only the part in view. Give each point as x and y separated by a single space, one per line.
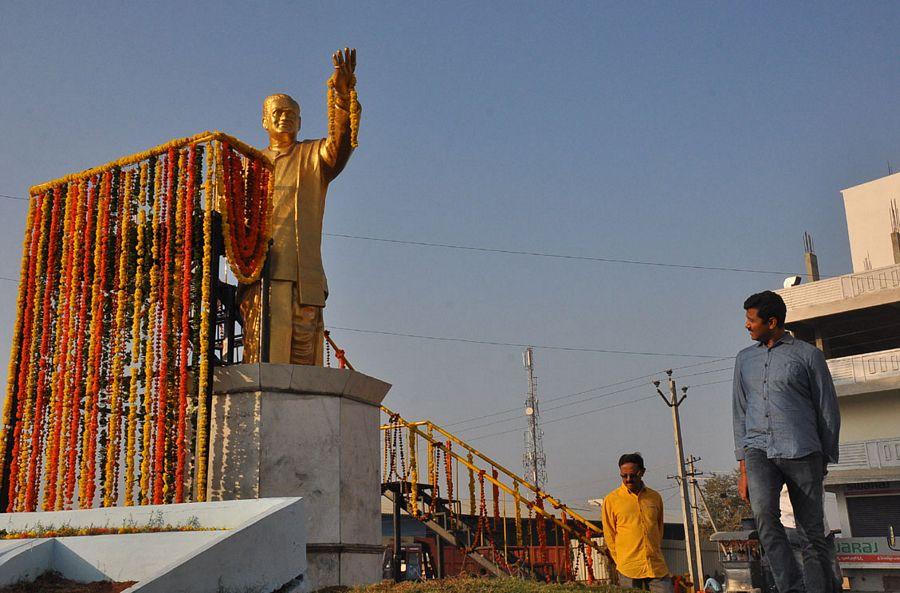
136 341
71 352
17 336
62 304
112 440
32 359
202 411
147 430
155 151
100 235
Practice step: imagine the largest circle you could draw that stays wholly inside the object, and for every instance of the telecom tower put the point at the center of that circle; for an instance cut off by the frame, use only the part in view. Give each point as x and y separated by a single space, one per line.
534 460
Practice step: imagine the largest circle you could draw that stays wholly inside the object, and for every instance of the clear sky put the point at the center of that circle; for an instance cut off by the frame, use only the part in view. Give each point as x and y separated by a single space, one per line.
706 134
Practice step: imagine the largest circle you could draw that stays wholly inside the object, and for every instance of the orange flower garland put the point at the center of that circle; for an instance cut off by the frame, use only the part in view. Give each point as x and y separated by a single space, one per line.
57 389
136 341
112 440
70 322
21 331
42 362
187 248
116 285
81 337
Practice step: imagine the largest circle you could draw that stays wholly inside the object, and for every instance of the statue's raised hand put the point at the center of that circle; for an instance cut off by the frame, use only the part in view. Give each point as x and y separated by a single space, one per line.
344 67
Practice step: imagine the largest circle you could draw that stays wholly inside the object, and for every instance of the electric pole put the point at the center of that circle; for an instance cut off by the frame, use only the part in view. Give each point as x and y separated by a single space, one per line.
534 460
695 511
674 404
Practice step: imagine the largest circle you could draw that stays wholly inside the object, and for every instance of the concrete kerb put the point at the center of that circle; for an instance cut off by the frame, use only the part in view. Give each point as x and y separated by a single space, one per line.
258 547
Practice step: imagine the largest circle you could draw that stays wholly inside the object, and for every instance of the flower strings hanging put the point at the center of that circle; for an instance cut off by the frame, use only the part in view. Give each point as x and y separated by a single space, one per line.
110 356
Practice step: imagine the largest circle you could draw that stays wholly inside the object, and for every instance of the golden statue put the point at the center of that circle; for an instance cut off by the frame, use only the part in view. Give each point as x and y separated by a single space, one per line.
303 171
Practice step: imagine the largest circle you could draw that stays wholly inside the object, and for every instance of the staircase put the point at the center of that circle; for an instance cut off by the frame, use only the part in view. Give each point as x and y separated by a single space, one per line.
448 462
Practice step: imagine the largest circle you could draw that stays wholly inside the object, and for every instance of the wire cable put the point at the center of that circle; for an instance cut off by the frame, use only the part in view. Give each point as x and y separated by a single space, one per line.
523 345
633 262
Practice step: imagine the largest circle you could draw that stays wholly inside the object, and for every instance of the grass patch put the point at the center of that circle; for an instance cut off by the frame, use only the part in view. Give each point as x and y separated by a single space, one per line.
470 585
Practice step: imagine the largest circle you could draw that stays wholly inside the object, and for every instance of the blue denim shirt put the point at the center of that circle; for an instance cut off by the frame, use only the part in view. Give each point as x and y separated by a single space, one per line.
784 401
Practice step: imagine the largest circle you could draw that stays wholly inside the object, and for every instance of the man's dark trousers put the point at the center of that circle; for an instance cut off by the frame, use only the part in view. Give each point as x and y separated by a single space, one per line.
803 477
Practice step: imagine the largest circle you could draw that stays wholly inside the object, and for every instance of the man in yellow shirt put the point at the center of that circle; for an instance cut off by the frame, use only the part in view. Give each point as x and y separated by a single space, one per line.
633 529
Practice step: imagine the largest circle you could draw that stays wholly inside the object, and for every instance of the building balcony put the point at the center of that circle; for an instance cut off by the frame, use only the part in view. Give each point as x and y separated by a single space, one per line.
866 462
842 293
866 373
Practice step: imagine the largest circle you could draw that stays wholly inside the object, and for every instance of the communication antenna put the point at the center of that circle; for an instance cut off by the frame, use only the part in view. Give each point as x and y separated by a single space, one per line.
534 460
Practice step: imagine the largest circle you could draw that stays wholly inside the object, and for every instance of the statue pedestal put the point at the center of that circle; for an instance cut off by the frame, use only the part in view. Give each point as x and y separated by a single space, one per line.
291 430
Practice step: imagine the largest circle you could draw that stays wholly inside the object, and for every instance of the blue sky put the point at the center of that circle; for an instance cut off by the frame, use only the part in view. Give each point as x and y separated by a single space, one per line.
689 133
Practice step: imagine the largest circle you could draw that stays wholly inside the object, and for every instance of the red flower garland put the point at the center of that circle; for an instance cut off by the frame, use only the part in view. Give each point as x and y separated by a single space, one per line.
62 321
187 250
50 278
24 366
163 376
80 336
246 214
92 405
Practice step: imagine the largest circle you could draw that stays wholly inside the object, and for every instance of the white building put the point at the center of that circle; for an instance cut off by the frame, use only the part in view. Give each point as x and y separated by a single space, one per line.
855 320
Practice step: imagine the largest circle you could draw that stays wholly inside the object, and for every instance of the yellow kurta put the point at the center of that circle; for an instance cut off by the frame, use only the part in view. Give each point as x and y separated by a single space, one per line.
302 174
633 530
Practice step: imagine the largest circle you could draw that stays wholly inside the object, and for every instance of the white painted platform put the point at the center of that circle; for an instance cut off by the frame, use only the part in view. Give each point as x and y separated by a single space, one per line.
259 546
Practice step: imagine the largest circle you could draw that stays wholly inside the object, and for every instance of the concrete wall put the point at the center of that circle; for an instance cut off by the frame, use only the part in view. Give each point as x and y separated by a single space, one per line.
290 430
871 416
868 221
258 546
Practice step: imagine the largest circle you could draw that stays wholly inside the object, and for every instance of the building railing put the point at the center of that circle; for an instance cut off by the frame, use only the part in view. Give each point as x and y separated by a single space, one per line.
840 288
865 367
872 454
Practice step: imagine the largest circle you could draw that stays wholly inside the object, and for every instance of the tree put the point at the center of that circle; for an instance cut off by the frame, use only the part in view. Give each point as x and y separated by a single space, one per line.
724 502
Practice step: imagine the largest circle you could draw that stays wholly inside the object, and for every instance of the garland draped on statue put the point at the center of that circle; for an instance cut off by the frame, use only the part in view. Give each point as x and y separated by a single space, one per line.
110 360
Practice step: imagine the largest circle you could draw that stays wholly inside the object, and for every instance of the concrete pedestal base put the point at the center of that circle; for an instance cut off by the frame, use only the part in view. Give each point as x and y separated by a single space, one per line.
290 430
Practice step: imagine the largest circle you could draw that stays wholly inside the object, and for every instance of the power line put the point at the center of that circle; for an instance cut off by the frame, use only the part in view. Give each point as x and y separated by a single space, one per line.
592 389
634 262
523 345
18 198
586 412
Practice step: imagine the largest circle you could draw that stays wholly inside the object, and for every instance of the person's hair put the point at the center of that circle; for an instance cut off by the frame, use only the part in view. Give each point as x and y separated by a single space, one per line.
272 98
634 458
767 304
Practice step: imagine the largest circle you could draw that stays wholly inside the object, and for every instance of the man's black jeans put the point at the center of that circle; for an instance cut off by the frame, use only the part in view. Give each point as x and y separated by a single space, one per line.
804 482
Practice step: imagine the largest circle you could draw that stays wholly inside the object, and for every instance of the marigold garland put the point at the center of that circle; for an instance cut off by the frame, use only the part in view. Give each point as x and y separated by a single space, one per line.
57 388
112 440
246 214
41 364
28 375
11 376
202 411
136 341
153 345
116 281
163 375
98 296
69 360
84 303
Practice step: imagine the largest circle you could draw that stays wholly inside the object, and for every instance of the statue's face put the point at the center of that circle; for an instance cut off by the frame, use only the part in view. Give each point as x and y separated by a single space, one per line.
282 117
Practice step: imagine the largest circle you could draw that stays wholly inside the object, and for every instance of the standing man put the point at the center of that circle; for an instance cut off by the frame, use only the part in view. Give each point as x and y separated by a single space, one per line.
303 171
786 425
633 529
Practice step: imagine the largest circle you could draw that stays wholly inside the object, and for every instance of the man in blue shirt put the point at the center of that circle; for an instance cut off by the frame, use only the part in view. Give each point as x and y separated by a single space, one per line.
786 426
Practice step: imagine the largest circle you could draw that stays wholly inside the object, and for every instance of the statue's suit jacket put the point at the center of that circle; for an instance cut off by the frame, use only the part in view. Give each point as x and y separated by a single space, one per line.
302 175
